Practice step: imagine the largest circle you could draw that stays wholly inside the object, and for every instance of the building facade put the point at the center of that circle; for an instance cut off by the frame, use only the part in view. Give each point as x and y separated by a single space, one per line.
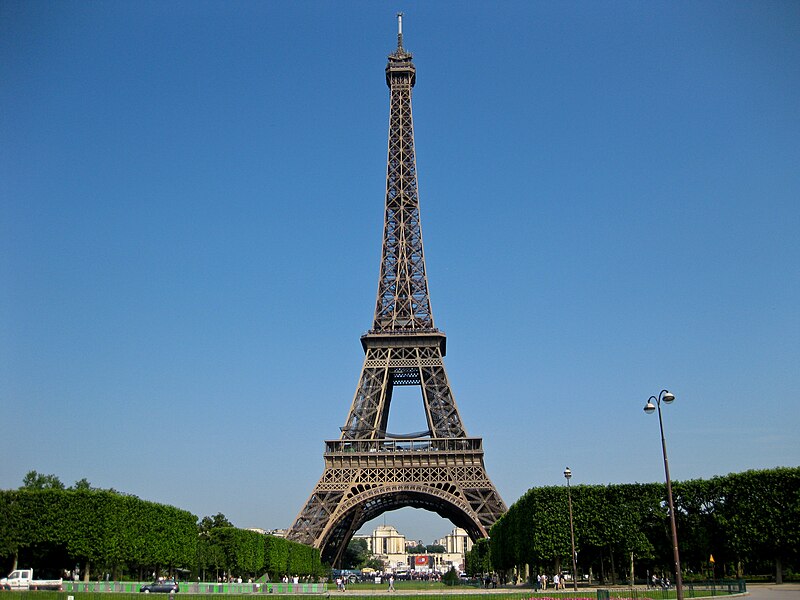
457 542
390 546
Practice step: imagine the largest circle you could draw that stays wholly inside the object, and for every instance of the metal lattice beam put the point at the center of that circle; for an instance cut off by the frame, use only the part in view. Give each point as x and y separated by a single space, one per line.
368 471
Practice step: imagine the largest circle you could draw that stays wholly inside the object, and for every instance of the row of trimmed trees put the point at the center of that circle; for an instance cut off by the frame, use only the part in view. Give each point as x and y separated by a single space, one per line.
749 522
252 554
103 531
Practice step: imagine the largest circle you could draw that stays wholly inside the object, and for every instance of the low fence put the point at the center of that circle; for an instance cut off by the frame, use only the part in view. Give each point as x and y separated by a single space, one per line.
189 587
698 589
690 590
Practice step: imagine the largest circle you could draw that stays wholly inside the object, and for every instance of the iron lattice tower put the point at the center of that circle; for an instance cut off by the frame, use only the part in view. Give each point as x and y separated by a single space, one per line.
369 471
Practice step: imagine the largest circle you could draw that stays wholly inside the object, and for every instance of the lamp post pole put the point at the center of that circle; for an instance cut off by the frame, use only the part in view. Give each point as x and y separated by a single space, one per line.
668 398
567 476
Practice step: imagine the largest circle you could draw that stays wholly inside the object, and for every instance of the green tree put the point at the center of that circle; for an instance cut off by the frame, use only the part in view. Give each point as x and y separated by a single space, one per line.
451 577
373 563
206 524
356 554
276 556
761 514
750 520
39 481
699 506
477 559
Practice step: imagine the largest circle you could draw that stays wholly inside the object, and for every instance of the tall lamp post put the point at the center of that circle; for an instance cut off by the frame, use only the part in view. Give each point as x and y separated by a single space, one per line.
567 476
667 397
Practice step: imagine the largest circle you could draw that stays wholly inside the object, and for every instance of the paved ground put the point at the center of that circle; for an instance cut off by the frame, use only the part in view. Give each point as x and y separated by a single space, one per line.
770 591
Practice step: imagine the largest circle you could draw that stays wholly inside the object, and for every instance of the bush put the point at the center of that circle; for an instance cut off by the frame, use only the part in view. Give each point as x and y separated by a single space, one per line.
450 578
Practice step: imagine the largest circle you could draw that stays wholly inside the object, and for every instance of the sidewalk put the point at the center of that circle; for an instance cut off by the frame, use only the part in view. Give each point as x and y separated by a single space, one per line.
773 591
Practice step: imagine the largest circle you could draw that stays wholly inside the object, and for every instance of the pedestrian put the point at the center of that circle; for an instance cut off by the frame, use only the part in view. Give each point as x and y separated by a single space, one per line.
556 581
391 583
544 581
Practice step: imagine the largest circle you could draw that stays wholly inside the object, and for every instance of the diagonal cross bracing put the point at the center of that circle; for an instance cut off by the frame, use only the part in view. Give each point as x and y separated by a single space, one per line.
369 471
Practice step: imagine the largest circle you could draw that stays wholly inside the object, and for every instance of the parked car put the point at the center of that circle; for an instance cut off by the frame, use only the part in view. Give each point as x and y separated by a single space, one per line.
22 579
165 586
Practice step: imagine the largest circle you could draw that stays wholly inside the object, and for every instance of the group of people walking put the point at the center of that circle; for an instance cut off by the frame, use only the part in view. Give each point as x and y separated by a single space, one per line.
655 582
541 582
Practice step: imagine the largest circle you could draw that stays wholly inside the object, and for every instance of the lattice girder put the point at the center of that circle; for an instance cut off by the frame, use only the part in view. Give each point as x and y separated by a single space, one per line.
445 476
403 300
386 367
369 471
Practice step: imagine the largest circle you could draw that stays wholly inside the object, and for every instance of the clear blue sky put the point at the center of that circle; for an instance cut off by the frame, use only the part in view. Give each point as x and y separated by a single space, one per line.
191 209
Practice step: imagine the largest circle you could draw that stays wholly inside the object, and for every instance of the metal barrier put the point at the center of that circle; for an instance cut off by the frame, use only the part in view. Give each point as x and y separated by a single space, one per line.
191 587
702 589
697 589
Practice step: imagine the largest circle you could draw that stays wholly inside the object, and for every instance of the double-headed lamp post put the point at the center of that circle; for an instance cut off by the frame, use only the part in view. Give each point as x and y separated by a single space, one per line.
567 475
667 397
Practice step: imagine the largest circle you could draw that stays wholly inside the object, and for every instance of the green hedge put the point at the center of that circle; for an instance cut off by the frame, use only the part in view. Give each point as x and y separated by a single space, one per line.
749 521
112 532
95 527
245 552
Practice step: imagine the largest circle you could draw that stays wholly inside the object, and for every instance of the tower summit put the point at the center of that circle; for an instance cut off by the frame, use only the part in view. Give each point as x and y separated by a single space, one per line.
369 471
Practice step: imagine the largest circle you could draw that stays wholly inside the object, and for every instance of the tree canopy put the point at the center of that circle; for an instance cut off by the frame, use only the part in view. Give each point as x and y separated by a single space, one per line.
748 521
44 525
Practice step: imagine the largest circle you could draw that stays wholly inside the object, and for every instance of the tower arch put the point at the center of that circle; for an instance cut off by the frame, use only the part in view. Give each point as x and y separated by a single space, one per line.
366 505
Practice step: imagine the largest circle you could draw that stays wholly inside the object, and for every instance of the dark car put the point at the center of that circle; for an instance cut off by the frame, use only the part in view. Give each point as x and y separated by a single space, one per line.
166 586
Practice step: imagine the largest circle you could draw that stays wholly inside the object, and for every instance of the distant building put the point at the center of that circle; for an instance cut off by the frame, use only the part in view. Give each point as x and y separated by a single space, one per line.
386 540
388 545
391 547
458 542
276 532
456 545
281 533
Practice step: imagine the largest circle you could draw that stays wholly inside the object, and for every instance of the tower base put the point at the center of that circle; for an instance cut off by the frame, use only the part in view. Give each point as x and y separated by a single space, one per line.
363 479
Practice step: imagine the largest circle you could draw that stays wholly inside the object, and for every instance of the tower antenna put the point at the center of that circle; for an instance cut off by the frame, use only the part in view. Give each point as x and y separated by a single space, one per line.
399 30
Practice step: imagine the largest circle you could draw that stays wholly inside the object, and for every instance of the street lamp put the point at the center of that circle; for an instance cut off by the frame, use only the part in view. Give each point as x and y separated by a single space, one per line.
667 397
567 476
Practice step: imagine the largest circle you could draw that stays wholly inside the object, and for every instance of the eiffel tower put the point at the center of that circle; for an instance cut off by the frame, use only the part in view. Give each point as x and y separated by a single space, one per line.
369 471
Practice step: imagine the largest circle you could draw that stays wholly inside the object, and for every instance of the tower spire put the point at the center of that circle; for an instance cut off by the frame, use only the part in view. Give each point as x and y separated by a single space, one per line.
403 302
399 31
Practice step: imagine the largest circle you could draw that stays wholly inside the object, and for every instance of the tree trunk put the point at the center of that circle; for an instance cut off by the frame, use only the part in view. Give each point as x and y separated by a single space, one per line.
602 569
632 578
778 570
86 571
613 569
